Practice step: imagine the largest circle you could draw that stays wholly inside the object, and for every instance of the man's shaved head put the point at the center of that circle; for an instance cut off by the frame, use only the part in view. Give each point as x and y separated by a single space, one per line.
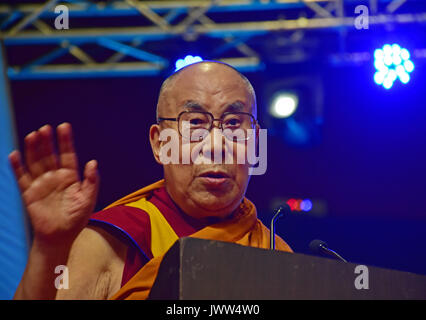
170 81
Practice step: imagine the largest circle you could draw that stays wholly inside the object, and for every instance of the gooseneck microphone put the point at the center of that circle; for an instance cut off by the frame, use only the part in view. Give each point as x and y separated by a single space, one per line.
319 246
278 213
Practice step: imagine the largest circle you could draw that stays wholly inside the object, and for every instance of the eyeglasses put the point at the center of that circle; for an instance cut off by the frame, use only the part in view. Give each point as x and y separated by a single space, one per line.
196 125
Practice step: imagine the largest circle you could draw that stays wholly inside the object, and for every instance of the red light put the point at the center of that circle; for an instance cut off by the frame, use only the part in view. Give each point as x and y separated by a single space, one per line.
292 204
295 204
299 204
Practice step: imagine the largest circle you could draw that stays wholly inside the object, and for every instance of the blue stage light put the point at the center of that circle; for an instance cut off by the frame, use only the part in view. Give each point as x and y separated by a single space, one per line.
409 66
392 62
379 77
405 78
378 54
187 61
405 54
306 205
396 48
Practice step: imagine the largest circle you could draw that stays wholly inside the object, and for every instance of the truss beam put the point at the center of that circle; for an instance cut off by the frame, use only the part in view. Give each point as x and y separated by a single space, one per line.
164 21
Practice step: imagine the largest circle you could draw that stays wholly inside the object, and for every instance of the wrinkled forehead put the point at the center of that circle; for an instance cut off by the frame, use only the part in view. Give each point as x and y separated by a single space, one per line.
212 85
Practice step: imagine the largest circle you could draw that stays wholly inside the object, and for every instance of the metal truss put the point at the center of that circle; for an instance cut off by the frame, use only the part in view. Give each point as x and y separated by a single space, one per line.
130 37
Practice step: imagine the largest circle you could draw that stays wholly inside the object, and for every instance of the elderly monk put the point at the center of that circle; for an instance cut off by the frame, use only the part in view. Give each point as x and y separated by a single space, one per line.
115 253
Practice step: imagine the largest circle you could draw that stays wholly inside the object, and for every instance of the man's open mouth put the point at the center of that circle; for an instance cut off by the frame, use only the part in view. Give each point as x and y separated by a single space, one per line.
214 175
214 178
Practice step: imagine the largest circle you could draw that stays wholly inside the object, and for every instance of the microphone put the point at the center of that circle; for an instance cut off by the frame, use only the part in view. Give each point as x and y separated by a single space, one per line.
278 213
319 246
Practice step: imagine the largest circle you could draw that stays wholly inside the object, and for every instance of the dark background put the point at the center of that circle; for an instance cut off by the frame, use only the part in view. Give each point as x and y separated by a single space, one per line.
365 169
369 167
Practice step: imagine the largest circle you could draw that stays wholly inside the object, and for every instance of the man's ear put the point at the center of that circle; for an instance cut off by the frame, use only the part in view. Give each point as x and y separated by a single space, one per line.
154 139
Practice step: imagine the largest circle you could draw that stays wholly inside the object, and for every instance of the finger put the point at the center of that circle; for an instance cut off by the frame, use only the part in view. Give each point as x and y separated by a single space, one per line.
22 176
49 159
67 156
33 154
91 181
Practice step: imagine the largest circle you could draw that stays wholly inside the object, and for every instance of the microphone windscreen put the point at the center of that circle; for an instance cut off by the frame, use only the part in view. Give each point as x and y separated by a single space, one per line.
316 244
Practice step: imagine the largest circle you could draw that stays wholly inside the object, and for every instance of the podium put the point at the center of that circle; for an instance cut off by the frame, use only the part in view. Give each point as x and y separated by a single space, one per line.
195 269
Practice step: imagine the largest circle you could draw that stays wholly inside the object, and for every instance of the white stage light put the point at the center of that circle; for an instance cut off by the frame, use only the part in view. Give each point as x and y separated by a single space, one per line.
284 105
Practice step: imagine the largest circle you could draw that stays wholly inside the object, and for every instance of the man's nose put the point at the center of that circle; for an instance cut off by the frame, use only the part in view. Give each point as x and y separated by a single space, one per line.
214 148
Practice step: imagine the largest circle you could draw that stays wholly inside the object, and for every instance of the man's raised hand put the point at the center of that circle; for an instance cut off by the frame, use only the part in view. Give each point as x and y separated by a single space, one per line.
58 202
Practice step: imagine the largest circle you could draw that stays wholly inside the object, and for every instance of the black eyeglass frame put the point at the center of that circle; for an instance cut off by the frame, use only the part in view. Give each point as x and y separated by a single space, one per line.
159 119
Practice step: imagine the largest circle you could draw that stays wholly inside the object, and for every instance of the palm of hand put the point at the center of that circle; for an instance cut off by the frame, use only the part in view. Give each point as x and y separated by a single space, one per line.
57 201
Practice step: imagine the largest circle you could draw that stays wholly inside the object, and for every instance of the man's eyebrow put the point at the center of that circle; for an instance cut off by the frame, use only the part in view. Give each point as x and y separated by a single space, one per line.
193 105
236 106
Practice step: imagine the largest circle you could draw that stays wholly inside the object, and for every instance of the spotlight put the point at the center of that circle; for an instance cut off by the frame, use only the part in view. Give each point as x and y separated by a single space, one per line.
392 62
284 105
293 108
187 61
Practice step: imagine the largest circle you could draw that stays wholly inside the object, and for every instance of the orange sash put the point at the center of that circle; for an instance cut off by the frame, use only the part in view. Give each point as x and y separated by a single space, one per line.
243 228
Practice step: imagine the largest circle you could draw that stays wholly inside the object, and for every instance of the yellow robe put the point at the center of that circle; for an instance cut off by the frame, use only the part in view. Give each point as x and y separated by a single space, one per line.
243 228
